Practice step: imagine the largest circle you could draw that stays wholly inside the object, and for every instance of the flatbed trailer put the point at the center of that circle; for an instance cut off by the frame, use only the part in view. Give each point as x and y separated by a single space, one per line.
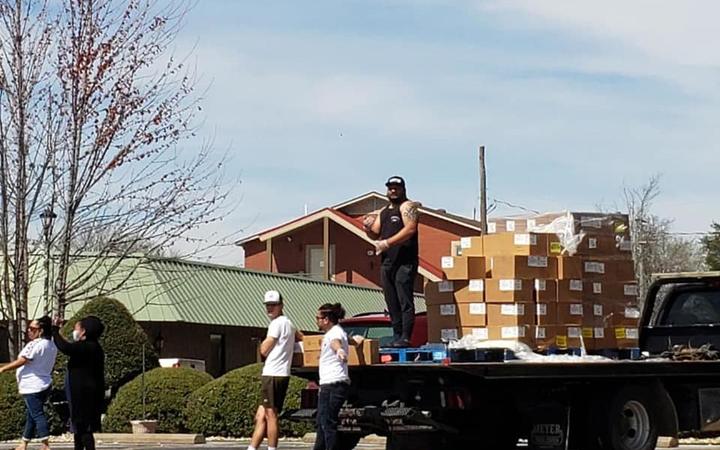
606 404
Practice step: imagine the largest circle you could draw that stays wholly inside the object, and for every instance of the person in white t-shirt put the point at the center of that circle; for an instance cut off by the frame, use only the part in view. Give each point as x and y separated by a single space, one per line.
34 379
333 371
277 349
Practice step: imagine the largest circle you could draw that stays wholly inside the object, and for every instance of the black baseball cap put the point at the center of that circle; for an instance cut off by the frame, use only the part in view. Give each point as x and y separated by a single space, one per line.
395 181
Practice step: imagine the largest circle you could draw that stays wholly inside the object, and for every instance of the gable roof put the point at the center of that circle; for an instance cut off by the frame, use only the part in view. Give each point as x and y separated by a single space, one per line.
353 225
174 290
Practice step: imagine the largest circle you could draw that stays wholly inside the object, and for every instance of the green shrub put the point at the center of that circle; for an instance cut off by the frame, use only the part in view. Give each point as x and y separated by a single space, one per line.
12 406
166 392
227 405
122 342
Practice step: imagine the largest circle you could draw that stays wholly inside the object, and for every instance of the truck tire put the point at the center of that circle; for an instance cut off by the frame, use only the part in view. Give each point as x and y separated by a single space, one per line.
631 420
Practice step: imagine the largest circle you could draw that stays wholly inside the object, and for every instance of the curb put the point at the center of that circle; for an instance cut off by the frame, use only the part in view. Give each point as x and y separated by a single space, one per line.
371 439
150 438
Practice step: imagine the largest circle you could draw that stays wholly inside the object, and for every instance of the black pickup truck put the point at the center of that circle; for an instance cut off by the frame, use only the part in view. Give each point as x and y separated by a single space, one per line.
613 404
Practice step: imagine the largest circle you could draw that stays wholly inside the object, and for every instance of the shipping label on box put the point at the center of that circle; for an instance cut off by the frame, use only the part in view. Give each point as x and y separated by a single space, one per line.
455 248
448 310
502 290
626 337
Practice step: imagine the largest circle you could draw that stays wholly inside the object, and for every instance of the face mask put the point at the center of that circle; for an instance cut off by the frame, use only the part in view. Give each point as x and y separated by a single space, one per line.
76 335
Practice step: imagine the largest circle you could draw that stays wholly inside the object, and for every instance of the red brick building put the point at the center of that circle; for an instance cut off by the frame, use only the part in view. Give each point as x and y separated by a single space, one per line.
335 234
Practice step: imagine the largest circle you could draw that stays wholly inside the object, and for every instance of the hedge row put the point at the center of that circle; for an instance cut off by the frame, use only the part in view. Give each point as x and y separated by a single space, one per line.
227 405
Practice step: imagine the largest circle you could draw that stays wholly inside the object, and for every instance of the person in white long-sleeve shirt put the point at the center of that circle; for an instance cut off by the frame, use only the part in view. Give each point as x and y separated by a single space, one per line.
277 349
333 371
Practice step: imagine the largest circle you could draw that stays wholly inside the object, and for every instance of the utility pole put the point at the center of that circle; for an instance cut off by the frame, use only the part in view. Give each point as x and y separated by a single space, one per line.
483 191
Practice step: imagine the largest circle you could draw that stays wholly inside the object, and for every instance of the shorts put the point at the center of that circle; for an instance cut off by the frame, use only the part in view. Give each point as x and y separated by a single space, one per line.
273 392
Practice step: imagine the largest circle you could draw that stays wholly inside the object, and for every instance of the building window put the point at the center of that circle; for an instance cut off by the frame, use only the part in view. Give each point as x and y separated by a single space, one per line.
315 264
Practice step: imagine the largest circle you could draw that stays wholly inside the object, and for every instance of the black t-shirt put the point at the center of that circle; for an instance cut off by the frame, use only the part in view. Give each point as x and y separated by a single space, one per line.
390 224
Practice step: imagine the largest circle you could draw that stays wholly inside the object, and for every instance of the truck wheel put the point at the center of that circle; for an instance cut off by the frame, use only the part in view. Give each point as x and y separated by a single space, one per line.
631 420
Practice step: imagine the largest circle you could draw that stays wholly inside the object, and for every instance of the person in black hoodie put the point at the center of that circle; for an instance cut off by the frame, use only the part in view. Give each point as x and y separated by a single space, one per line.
84 379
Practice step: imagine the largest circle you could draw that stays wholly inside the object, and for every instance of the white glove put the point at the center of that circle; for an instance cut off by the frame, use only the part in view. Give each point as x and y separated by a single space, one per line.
381 246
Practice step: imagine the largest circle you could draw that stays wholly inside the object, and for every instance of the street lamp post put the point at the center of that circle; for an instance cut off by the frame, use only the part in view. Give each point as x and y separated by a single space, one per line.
48 218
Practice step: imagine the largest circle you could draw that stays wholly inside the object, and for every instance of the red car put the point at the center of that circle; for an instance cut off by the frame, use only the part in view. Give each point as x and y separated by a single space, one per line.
377 326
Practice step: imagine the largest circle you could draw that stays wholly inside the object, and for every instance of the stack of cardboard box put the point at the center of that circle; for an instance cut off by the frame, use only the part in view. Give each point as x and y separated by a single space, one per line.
523 286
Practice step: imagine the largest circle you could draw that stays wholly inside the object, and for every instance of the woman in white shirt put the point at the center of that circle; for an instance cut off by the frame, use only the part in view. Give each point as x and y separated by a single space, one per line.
333 370
34 378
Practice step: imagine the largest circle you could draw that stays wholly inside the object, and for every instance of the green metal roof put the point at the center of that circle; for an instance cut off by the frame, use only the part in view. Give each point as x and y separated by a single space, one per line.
173 290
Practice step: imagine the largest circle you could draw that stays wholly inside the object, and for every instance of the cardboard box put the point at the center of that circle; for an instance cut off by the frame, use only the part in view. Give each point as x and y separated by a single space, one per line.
510 314
603 338
594 244
556 336
545 291
501 244
523 267
570 313
626 337
624 269
312 342
472 314
570 291
501 225
366 353
437 333
522 333
569 267
463 267
596 269
625 314
569 337
311 358
453 315
610 291
503 290
594 314
472 246
546 313
454 291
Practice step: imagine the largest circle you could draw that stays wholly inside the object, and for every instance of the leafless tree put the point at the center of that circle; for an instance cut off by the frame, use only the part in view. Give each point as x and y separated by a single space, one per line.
655 248
95 110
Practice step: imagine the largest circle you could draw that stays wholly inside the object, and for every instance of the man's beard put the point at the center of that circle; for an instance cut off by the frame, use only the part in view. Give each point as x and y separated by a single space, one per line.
397 201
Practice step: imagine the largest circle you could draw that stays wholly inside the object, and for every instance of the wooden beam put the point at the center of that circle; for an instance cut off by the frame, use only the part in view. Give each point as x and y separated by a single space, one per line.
326 249
268 251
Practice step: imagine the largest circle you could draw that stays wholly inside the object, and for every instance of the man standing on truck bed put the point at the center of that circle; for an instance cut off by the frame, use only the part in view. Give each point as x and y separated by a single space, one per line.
277 349
395 229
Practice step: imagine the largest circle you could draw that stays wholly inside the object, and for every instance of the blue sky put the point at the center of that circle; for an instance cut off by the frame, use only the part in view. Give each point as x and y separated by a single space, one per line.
317 102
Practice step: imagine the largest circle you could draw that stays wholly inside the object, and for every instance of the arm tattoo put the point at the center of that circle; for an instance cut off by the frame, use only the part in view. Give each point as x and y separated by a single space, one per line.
411 212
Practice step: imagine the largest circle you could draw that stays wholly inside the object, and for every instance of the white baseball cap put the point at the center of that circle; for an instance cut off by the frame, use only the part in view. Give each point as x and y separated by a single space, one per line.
272 297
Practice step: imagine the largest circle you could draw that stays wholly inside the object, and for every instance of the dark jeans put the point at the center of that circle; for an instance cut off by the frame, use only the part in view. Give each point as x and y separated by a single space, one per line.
330 400
36 424
398 282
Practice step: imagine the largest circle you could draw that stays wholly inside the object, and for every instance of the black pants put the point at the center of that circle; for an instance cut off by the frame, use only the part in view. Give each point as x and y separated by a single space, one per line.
330 399
398 282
